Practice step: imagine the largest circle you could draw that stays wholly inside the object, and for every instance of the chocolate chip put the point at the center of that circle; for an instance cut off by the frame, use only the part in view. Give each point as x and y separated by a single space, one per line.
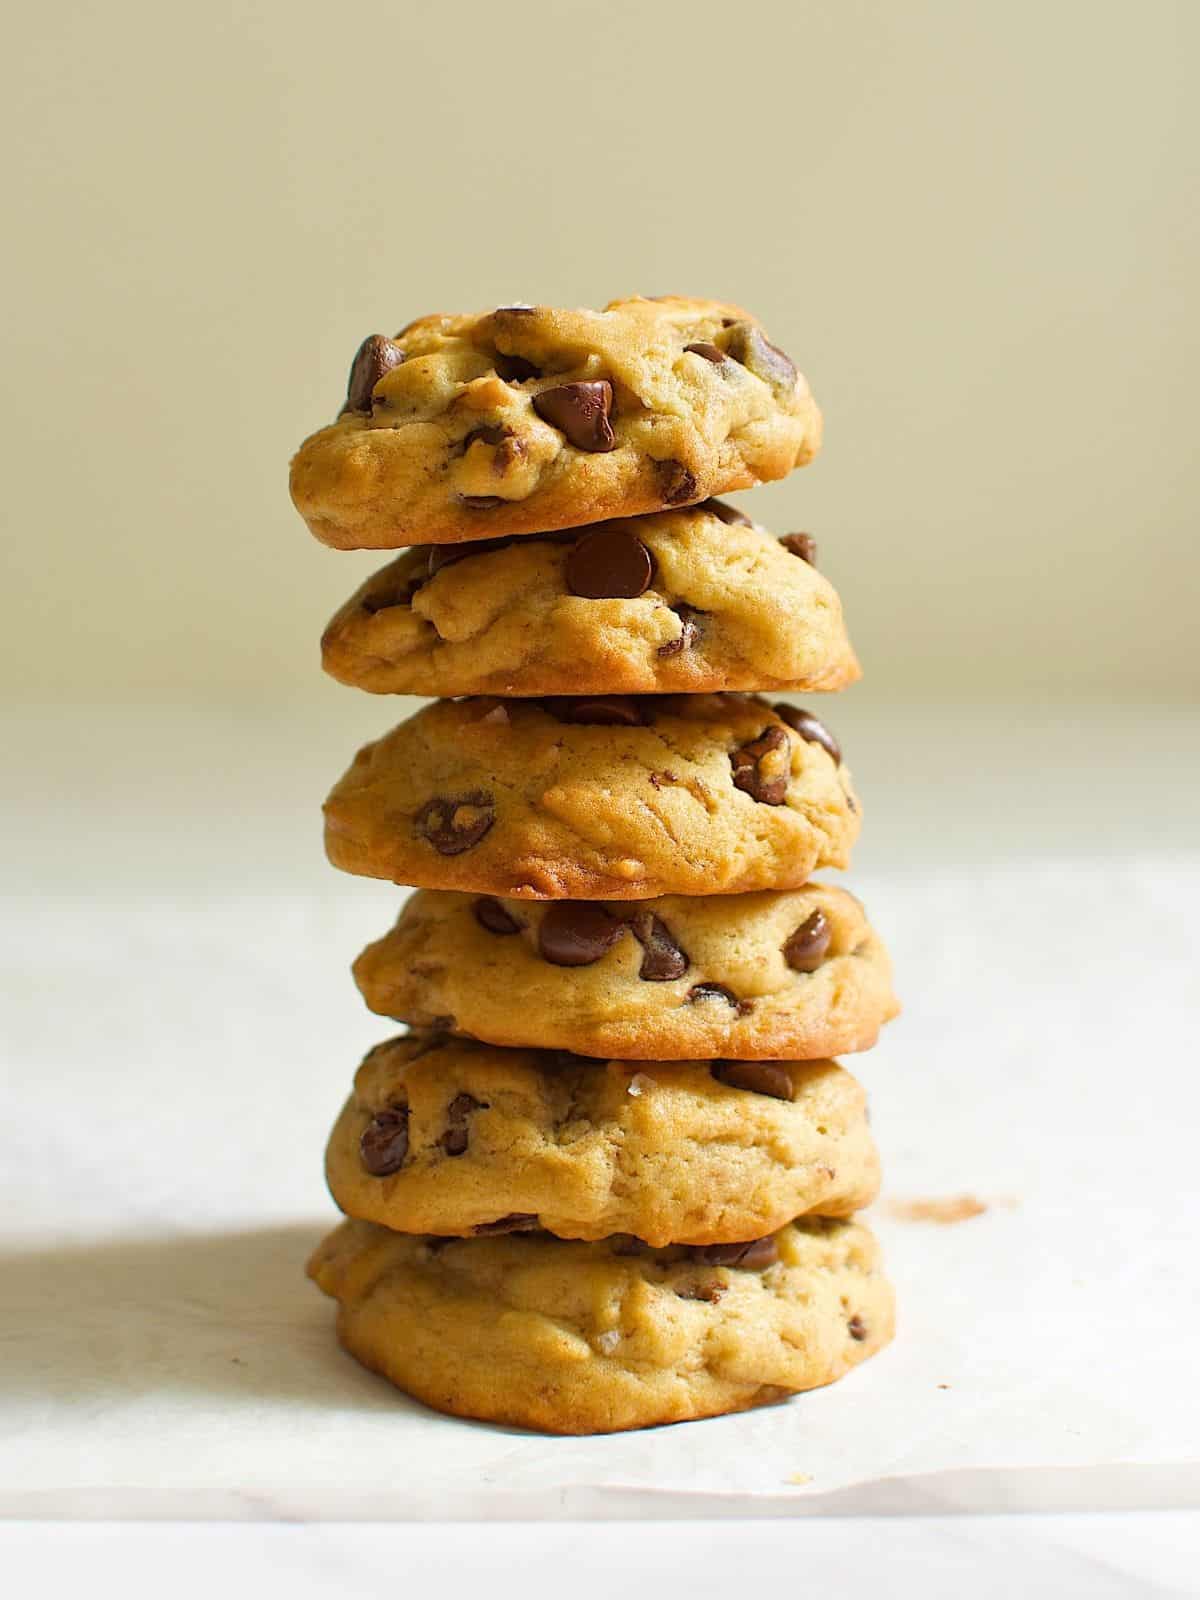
858 1328
581 411
770 787
753 1255
806 948
676 484
717 991
518 309
374 357
662 959
575 933
482 502
610 563
689 630
515 369
514 1222
612 710
810 728
802 545
452 825
384 1142
490 914
708 351
765 360
758 1077
724 513
458 1113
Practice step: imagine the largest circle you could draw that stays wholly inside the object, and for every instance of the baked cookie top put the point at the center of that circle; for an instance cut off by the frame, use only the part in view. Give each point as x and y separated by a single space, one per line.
686 602
528 418
613 798
765 976
570 1337
449 1136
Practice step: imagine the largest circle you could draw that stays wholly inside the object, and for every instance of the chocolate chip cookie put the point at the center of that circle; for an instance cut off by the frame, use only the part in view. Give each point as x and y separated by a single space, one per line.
571 1337
528 418
448 1136
614 798
762 976
691 601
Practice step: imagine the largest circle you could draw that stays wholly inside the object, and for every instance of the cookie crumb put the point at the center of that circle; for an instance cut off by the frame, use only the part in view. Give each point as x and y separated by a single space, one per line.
799 1478
937 1208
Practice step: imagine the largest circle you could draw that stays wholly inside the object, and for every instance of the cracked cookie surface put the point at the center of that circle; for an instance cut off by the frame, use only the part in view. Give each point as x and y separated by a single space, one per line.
529 418
683 602
579 1338
449 1136
764 976
614 798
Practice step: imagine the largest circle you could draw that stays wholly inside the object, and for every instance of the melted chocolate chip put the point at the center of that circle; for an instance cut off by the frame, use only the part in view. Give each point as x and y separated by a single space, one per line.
767 787
384 1142
806 948
514 1222
765 360
490 914
452 825
482 502
517 309
374 357
758 1077
724 513
612 710
753 1255
458 1114
575 933
515 369
677 484
662 959
857 1328
810 728
717 991
581 411
689 630
708 351
802 545
610 563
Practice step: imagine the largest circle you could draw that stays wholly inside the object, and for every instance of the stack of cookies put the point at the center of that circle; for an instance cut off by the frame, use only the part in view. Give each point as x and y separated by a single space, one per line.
607 1176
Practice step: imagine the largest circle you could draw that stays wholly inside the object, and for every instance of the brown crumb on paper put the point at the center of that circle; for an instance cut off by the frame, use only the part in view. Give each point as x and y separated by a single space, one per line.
944 1208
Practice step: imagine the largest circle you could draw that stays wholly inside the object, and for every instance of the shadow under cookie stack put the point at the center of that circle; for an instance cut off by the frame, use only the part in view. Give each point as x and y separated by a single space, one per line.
607 1177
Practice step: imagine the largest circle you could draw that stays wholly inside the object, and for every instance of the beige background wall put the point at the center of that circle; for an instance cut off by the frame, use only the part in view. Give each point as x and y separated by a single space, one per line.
974 225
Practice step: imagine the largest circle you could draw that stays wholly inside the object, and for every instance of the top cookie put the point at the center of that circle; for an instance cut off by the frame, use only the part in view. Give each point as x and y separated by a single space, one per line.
527 419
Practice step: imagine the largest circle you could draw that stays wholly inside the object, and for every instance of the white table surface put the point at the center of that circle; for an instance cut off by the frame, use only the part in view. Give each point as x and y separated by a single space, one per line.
178 1029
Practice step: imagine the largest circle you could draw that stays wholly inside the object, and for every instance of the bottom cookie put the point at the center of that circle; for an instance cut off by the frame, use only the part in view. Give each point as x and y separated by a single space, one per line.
571 1337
